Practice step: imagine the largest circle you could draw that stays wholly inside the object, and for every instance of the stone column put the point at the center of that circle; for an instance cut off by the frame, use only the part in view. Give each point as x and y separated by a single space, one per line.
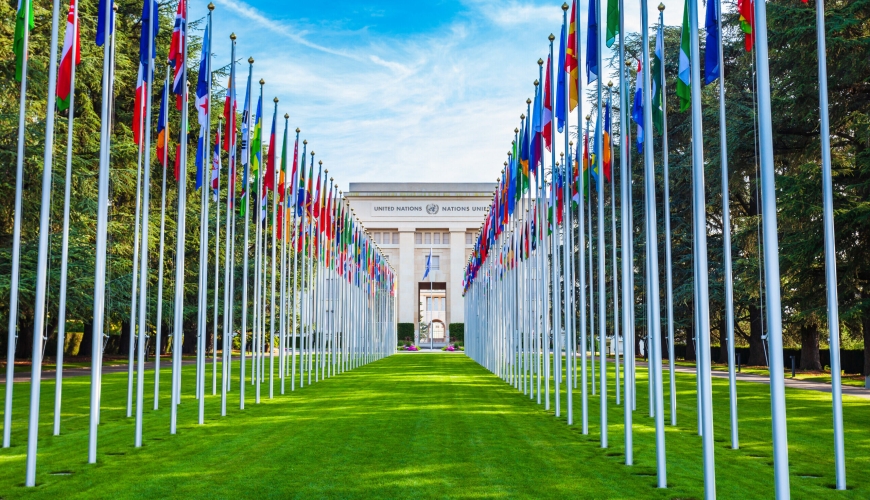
455 311
407 288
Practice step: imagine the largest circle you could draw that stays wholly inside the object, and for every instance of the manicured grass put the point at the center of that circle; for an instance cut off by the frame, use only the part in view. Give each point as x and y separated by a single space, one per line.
822 377
419 425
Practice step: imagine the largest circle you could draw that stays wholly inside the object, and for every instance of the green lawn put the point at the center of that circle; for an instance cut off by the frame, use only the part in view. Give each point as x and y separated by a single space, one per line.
824 377
420 425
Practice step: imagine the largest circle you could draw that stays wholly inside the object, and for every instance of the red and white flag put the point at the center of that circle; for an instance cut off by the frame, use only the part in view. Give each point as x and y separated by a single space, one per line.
177 49
64 73
139 107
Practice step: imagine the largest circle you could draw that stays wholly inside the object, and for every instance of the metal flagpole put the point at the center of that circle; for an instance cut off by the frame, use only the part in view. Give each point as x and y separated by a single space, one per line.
726 242
16 230
273 154
602 290
255 350
159 343
700 237
181 231
626 227
660 49
771 258
61 323
830 251
217 263
246 160
136 242
581 235
101 237
613 245
653 301
42 258
146 203
283 310
591 268
227 346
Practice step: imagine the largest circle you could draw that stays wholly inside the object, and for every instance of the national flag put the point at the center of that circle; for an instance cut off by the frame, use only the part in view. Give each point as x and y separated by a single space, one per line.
102 11
606 154
246 144
746 8
216 164
257 143
64 72
315 208
283 168
139 107
657 83
576 178
309 190
295 171
148 35
548 109
300 191
428 264
177 50
203 97
524 153
586 164
684 79
637 108
162 128
711 49
535 150
571 64
230 108
595 159
592 44
561 112
269 180
612 21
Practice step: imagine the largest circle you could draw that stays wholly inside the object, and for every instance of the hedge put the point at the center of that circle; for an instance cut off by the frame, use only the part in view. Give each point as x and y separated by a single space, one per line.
405 331
457 332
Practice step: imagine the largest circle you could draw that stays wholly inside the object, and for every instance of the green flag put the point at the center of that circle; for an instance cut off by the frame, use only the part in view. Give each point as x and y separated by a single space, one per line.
25 8
612 21
684 92
657 81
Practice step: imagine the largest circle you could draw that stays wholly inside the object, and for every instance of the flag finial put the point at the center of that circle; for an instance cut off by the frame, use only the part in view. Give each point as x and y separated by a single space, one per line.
516 131
610 83
304 141
588 117
536 82
565 6
232 36
286 116
570 143
523 116
551 37
661 7
276 100
262 82
540 62
297 130
250 60
320 163
528 101
210 6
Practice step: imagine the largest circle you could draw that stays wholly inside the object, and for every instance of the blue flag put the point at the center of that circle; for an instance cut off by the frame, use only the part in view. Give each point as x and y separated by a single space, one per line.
101 21
428 264
561 87
149 32
537 129
711 52
592 44
637 107
202 107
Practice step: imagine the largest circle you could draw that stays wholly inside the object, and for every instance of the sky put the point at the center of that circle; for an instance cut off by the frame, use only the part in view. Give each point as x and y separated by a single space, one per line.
388 91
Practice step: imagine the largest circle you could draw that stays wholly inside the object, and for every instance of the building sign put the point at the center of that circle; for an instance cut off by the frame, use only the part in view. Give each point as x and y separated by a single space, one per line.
423 209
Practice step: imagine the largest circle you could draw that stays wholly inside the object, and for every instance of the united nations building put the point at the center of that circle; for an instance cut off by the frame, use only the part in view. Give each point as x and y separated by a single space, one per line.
410 221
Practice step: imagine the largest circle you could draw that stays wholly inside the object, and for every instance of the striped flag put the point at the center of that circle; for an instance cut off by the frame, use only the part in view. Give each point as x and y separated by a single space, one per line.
216 164
177 49
138 107
64 72
162 128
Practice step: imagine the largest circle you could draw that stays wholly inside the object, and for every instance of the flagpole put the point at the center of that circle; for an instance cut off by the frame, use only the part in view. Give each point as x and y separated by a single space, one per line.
136 242
609 145
255 349
602 285
246 150
581 235
146 202
283 309
653 300
226 350
624 188
181 231
159 325
42 259
830 251
272 149
100 258
61 323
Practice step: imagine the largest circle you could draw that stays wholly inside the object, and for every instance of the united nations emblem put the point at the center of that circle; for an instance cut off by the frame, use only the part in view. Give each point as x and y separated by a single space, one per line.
432 208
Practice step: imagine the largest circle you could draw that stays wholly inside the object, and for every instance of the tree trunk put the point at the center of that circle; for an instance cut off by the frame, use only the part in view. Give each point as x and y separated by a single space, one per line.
810 347
85 347
757 355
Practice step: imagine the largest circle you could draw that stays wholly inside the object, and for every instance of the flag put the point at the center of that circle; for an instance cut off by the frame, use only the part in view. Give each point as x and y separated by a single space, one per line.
64 72
711 50
203 96
138 107
657 83
576 179
101 21
606 159
595 159
592 44
612 21
295 171
246 154
148 35
547 125
230 108
684 92
637 107
524 153
571 64
216 164
257 143
585 176
300 192
281 181
269 180
428 264
746 8
177 49
536 133
560 85
162 128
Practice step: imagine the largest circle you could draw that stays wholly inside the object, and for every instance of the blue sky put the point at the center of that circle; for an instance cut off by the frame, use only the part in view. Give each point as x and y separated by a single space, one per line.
398 91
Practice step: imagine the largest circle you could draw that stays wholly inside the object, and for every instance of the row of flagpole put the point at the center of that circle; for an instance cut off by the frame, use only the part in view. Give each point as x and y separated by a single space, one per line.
335 311
524 263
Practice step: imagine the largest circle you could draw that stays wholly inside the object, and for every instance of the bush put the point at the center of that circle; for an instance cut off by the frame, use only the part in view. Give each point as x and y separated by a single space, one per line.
457 332
405 331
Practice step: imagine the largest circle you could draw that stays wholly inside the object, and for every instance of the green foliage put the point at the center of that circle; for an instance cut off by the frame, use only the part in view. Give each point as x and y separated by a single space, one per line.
405 331
457 332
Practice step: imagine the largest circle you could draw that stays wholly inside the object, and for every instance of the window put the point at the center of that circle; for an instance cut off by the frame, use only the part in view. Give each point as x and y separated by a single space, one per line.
445 238
418 238
437 238
395 238
468 238
377 237
428 303
427 238
436 263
